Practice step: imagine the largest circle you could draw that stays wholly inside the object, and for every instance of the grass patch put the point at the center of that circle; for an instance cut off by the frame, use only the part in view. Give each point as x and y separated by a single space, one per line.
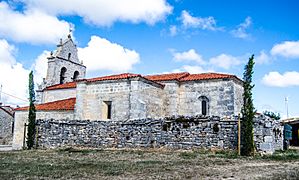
188 155
288 155
72 163
224 154
78 150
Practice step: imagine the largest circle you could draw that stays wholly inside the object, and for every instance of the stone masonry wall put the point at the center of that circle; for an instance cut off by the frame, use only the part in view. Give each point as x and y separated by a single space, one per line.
179 132
220 93
58 94
146 100
90 98
171 100
6 121
54 69
238 98
21 117
268 134
174 132
130 99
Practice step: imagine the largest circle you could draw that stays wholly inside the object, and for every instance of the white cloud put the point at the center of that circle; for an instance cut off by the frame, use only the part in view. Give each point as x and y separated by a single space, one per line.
288 49
195 69
262 58
106 12
192 69
173 30
225 61
101 54
240 32
40 67
281 80
208 23
13 76
32 26
190 55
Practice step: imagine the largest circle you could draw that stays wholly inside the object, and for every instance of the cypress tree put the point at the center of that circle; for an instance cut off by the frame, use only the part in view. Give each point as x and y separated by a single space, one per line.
248 110
32 113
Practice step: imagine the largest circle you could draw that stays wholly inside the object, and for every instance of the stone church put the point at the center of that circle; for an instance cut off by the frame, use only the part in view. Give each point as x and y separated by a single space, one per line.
66 94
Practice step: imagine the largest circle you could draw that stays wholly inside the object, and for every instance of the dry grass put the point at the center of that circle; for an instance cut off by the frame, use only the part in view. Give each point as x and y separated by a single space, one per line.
145 164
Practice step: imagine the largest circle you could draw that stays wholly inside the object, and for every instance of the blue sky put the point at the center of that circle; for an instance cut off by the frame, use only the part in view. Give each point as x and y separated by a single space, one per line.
157 36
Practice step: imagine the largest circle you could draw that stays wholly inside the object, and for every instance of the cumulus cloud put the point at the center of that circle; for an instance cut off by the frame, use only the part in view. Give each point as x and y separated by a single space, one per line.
262 58
32 26
101 54
190 55
40 67
191 69
13 76
281 80
288 49
241 30
195 69
188 21
173 30
105 13
225 61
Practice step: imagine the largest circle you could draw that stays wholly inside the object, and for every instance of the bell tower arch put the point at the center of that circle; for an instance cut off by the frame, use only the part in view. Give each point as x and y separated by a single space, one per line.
64 65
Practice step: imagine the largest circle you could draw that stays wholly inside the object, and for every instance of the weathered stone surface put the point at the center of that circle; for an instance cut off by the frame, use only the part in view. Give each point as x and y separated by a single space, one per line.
21 117
268 134
6 121
174 132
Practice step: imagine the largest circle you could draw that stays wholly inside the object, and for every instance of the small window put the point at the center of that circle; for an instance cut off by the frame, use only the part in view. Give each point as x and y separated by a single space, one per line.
204 107
62 75
69 56
76 75
107 110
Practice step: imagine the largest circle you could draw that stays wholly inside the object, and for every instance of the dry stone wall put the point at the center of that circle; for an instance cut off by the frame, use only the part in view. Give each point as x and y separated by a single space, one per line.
175 132
6 121
178 132
268 134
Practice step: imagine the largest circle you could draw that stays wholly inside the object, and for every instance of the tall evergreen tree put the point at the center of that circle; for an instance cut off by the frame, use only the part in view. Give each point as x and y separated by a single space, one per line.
248 110
32 113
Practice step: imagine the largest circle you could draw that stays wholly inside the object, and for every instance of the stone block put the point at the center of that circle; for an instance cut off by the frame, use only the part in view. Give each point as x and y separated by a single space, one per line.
266 147
268 124
268 139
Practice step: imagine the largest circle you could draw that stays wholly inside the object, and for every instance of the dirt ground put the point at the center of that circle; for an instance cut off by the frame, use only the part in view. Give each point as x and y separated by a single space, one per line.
145 164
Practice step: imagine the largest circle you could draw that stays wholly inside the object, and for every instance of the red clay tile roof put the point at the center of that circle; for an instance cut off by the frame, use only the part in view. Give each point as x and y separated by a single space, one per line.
103 78
167 77
184 76
62 86
114 77
65 104
206 76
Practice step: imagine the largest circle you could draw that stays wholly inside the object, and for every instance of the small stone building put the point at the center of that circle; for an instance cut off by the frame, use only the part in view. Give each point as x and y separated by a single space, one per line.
6 124
66 94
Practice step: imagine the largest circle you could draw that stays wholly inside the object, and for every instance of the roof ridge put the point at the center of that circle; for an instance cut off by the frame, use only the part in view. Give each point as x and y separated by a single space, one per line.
167 76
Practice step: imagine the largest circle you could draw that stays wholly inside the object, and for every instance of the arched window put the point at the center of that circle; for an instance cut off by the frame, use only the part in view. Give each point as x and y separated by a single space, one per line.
76 75
204 105
62 75
69 56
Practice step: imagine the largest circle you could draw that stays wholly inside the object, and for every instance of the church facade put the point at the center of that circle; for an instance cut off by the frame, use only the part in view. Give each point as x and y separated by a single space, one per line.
66 94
